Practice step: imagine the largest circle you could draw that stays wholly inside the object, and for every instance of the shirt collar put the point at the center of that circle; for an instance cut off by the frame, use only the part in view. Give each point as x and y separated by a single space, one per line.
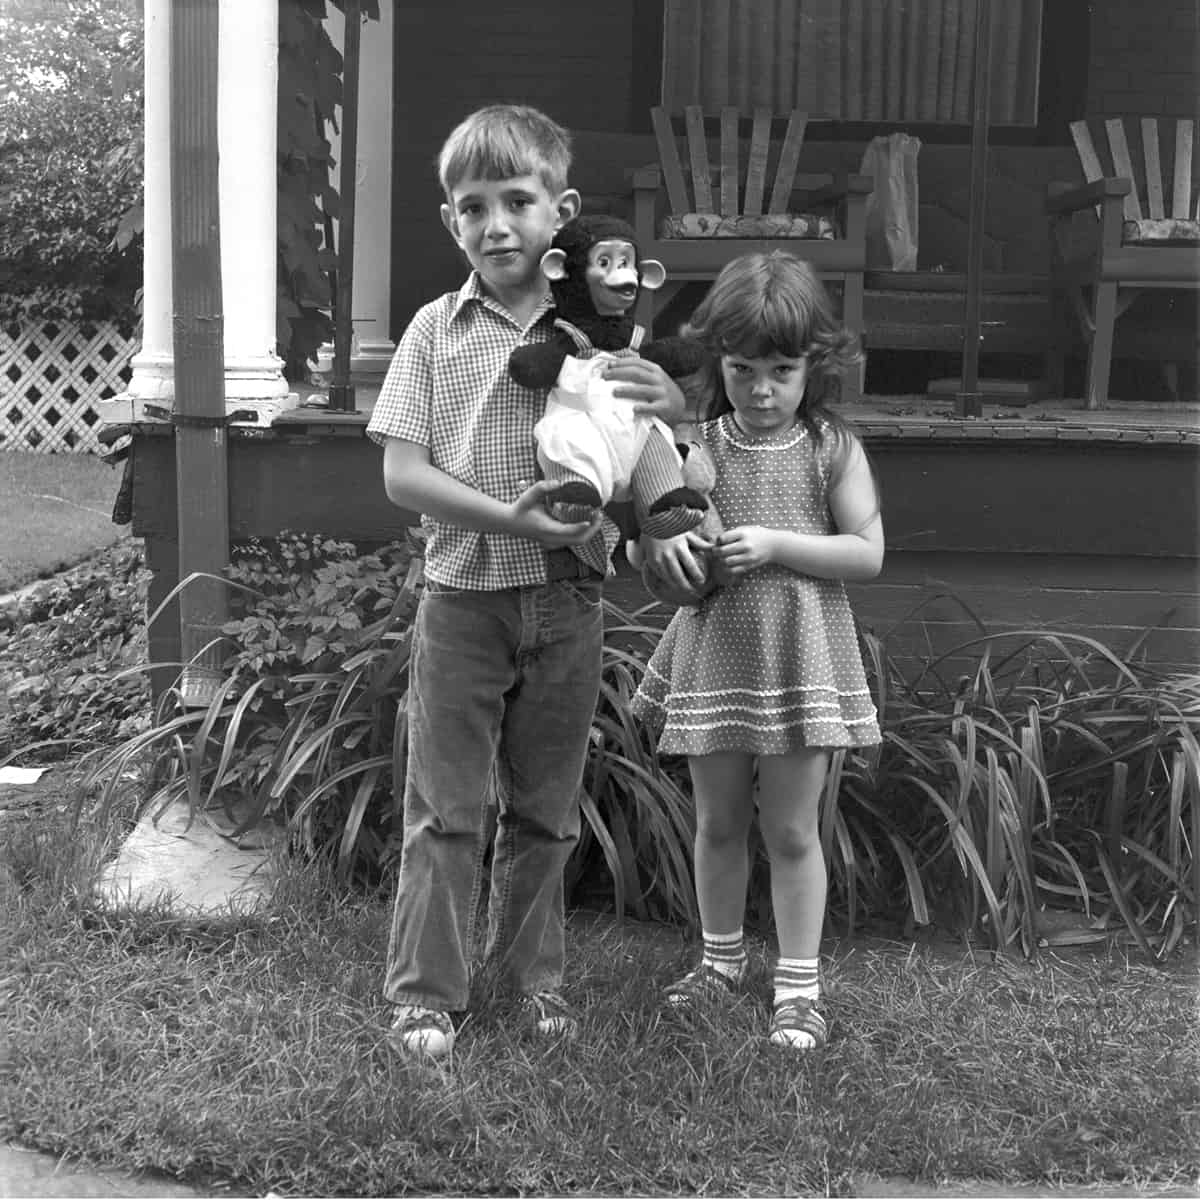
472 289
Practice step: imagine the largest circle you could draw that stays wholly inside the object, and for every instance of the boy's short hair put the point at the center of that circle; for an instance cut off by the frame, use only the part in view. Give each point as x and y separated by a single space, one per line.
503 141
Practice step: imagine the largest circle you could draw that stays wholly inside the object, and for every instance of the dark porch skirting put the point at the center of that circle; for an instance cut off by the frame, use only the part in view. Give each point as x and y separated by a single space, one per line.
1031 518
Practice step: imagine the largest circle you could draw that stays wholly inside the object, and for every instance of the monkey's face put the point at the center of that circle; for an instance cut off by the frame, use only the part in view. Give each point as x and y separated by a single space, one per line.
612 277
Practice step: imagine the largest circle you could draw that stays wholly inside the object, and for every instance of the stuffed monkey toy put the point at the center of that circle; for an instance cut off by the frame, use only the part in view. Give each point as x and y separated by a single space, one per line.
588 440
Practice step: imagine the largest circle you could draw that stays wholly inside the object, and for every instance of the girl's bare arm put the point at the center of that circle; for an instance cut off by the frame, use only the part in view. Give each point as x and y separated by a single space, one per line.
854 553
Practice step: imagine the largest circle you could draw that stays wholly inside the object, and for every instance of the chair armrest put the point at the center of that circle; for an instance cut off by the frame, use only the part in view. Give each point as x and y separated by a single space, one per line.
1065 197
842 185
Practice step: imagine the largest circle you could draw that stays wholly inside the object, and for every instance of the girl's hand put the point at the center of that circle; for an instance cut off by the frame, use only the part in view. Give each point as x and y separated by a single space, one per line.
654 392
746 548
529 518
672 560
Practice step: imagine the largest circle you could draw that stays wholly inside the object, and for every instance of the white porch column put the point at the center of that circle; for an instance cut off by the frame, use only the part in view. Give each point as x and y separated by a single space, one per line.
248 72
373 348
248 75
153 377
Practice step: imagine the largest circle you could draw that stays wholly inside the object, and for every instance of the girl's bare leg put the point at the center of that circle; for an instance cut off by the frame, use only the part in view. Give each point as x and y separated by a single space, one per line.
723 787
789 794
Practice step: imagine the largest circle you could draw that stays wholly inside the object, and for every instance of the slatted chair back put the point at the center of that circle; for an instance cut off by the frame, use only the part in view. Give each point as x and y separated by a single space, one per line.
1140 246
695 218
1150 184
737 195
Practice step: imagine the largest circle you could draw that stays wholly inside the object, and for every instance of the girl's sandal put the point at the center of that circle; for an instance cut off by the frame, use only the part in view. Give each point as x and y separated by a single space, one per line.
798 1025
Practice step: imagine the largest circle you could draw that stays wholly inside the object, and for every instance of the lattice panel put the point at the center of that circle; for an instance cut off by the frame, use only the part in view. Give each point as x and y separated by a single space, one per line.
51 377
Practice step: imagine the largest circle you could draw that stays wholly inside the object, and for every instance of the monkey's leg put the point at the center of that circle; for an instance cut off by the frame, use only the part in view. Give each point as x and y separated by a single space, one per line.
576 499
663 506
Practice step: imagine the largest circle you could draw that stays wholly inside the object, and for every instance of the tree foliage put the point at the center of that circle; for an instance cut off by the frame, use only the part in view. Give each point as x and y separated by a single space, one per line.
70 157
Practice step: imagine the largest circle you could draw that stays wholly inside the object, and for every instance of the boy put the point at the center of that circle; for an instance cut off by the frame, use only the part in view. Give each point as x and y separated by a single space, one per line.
507 648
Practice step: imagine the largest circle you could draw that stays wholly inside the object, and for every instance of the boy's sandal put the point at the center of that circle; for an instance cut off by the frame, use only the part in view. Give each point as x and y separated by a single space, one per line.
421 1033
798 1025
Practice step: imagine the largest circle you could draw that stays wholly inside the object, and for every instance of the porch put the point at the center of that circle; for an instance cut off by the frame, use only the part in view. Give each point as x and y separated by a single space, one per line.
1042 516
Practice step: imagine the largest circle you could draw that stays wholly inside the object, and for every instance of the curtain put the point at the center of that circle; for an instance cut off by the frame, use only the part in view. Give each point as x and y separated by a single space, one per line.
850 60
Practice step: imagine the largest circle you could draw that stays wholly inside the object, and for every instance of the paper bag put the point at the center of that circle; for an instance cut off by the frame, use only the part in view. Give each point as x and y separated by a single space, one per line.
892 216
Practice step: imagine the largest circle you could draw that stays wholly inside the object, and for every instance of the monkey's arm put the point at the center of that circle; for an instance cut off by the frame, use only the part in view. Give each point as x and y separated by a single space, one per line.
677 356
537 366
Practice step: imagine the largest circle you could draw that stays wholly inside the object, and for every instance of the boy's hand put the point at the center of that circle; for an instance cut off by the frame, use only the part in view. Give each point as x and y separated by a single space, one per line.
654 392
745 548
530 519
672 560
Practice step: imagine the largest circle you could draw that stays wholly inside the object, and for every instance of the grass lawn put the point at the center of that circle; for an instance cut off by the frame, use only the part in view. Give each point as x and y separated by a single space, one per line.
57 510
252 1055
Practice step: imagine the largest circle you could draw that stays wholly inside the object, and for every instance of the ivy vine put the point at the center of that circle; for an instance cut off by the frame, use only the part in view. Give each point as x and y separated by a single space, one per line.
310 93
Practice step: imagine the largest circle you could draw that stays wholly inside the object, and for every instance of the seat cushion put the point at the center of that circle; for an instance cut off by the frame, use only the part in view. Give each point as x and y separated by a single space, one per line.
781 225
1161 231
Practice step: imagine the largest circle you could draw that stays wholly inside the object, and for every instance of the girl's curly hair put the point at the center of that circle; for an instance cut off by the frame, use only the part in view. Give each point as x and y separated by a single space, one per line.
774 303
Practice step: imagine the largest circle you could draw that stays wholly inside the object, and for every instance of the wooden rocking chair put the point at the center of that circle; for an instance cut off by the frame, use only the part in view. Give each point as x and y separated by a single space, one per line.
696 233
1138 247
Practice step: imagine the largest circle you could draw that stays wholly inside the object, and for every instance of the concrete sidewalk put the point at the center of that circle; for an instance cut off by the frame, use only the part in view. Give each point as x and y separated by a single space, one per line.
30 1174
25 1173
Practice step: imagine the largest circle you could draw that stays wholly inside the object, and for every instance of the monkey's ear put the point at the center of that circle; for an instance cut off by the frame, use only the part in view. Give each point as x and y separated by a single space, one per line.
654 274
554 264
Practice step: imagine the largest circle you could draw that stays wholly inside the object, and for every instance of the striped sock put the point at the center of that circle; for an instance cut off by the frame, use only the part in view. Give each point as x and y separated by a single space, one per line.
725 952
796 979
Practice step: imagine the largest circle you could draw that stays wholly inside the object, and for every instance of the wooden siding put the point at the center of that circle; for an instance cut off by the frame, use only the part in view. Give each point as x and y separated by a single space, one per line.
924 601
1071 529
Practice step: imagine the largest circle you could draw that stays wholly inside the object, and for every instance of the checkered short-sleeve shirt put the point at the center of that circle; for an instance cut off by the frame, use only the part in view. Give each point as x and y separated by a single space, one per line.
448 388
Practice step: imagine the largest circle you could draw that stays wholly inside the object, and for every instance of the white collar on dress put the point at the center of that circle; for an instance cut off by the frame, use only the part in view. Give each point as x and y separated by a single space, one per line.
738 437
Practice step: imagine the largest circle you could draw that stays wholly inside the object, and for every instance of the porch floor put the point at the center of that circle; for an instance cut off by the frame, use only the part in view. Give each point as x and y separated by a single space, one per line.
919 416
925 416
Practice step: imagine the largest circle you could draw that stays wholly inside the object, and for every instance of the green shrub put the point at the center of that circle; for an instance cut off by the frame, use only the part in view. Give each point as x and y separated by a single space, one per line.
1055 777
1053 781
72 657
303 730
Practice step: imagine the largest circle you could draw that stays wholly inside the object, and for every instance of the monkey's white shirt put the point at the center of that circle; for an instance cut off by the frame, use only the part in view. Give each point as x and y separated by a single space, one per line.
589 431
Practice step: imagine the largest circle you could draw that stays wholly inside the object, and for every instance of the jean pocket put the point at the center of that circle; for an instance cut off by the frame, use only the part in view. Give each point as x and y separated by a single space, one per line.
587 592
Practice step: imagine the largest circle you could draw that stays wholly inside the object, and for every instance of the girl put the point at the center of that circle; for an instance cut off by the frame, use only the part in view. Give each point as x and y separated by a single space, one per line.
765 672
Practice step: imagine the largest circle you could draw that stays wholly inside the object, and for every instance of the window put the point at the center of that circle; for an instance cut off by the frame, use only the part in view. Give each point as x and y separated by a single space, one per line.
880 61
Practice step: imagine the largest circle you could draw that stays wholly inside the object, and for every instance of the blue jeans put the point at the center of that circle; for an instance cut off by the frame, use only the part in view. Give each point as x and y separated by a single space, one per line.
502 682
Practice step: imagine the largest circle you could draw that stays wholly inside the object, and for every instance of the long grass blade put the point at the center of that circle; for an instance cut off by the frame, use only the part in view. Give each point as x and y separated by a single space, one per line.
1114 813
1119 899
608 848
326 786
1084 892
362 797
912 877
969 858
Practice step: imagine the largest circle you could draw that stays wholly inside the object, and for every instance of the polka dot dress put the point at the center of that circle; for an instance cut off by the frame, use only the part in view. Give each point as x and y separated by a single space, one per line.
770 663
